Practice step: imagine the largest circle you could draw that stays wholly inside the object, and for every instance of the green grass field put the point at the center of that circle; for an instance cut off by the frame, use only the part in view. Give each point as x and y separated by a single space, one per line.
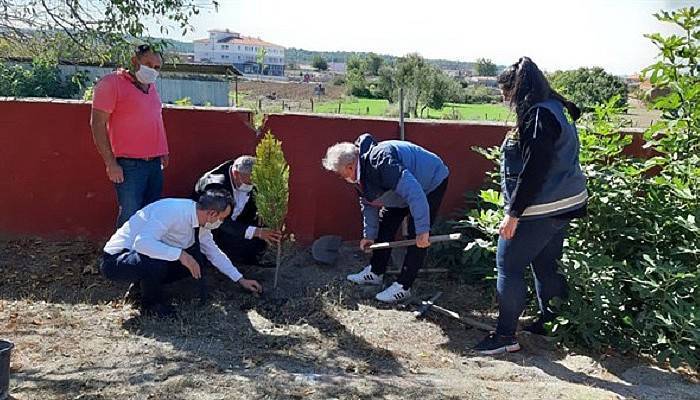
372 107
472 112
354 106
382 108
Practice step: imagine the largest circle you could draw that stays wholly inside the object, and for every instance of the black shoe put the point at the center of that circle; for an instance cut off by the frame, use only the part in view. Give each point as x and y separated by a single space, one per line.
158 310
497 344
537 328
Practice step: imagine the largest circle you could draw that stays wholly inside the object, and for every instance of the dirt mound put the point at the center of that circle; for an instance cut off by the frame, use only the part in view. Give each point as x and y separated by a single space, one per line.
289 90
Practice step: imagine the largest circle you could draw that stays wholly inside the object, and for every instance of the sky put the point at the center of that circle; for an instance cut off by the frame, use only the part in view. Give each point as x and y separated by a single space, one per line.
557 35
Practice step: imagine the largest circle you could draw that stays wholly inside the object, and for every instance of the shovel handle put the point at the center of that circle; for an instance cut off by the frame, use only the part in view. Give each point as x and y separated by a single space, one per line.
411 242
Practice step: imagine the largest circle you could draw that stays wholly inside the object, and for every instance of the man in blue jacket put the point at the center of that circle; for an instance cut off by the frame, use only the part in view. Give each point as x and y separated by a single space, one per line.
393 179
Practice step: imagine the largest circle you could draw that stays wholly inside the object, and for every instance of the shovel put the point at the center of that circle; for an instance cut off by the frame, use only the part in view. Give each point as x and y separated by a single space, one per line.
411 242
325 249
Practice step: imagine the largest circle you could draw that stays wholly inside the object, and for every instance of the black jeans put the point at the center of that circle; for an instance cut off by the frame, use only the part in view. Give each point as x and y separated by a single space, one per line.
537 243
389 222
151 273
239 249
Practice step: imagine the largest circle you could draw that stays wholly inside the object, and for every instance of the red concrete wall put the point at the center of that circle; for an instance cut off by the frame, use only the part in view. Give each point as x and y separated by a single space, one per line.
54 182
322 203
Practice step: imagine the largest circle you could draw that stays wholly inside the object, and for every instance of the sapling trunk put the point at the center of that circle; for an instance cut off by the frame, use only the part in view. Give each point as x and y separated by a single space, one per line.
277 262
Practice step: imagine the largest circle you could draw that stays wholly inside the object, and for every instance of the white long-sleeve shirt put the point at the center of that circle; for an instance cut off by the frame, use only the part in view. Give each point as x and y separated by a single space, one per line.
162 229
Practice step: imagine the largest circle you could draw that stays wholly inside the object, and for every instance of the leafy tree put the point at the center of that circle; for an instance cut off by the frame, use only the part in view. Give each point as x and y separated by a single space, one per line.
485 67
374 63
412 73
588 87
356 84
386 85
97 27
356 63
319 63
440 89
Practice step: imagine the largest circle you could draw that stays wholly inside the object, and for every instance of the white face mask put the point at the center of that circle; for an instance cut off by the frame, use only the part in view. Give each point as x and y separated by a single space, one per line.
244 187
213 225
146 74
350 180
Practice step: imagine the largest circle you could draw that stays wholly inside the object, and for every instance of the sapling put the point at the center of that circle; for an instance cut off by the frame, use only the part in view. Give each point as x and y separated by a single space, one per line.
271 180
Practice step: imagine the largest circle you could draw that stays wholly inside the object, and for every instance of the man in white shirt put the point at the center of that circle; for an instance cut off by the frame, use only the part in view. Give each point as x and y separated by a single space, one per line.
240 236
162 242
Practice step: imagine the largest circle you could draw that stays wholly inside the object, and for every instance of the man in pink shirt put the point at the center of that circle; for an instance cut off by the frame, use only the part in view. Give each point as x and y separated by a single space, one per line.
127 127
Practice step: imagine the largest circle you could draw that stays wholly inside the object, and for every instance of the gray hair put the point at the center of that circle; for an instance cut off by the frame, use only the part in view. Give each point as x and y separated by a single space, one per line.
244 164
339 155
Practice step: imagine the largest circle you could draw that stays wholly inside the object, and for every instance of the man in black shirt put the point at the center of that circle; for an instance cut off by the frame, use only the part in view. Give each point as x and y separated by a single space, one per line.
241 237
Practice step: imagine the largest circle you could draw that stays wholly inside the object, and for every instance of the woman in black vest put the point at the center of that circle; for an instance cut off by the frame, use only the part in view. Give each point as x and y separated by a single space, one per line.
543 189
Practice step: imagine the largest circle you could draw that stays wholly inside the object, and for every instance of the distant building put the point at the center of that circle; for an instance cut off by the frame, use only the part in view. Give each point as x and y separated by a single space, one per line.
226 47
488 81
337 67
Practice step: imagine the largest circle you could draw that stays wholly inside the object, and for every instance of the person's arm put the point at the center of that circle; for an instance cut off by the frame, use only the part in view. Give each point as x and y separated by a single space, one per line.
216 256
412 192
104 101
370 220
397 178
222 262
541 130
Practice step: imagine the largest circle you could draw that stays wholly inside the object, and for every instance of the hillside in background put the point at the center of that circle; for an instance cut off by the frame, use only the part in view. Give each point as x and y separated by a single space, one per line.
301 56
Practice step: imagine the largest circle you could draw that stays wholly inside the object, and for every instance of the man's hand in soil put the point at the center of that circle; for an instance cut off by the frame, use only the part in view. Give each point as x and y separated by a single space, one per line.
191 264
251 285
364 245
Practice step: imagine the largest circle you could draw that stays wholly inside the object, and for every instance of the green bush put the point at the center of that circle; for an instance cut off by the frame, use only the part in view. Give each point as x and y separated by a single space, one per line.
589 86
479 94
42 79
633 264
339 80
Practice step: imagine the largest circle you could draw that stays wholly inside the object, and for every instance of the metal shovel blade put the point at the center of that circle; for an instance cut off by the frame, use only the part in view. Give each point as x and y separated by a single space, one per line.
325 249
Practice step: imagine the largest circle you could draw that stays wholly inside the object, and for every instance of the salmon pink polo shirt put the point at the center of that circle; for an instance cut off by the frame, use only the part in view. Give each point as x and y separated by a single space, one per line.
135 124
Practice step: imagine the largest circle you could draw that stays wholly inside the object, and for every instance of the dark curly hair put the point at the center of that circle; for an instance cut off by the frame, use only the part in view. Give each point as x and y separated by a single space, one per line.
525 85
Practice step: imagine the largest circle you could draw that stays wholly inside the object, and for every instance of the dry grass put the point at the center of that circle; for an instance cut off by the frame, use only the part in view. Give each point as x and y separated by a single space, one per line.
316 338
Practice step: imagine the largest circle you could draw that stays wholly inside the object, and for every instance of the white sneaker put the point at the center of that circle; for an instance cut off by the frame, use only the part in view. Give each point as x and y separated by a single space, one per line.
393 294
366 277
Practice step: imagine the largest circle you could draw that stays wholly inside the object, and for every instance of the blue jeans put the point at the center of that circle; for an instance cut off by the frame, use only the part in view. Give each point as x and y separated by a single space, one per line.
143 184
538 242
